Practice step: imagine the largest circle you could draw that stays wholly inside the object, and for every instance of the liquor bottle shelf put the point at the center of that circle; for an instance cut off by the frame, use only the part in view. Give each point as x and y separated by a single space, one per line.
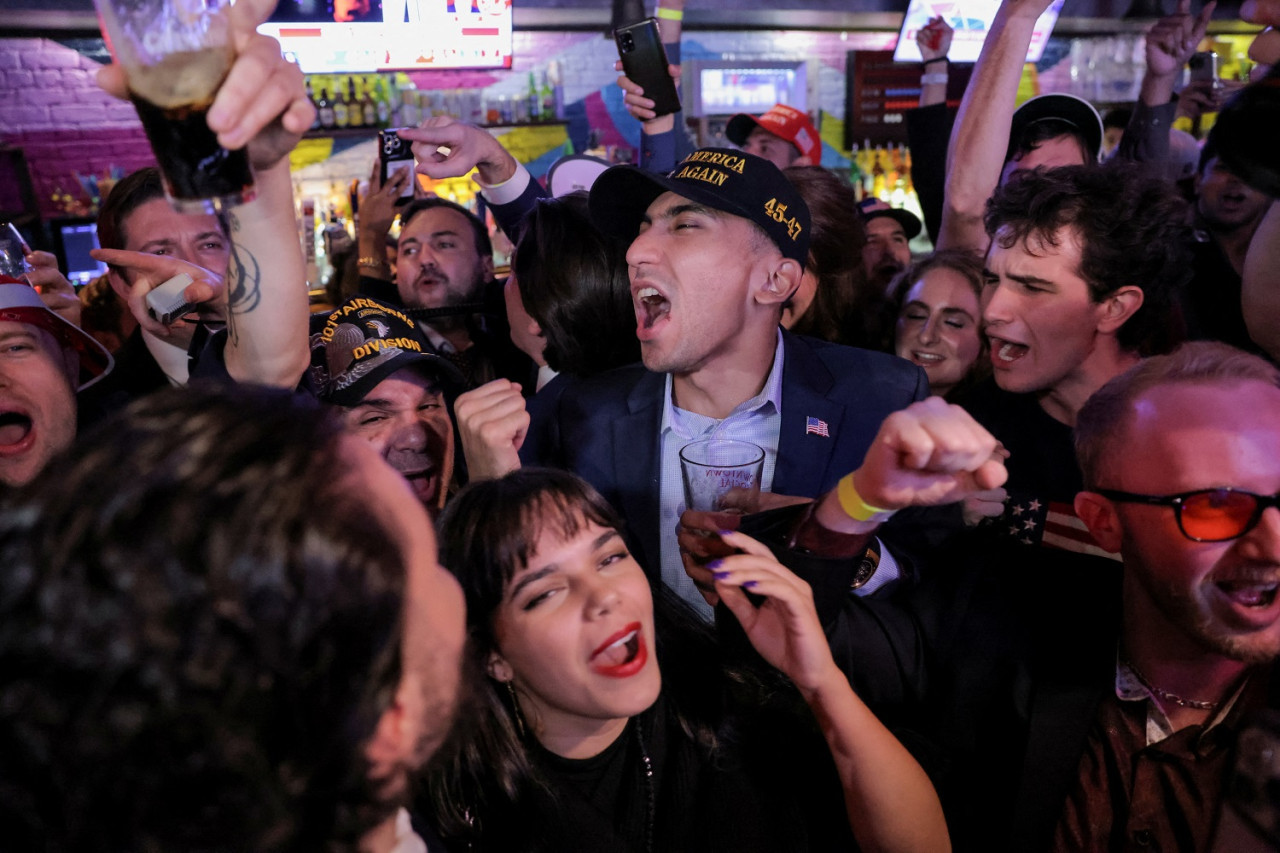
370 132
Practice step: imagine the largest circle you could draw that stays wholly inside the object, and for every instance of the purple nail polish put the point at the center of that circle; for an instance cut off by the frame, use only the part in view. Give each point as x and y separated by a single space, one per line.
715 564
727 532
750 585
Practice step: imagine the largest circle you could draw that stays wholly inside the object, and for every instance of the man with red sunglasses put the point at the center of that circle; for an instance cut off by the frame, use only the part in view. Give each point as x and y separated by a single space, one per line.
1097 708
1181 462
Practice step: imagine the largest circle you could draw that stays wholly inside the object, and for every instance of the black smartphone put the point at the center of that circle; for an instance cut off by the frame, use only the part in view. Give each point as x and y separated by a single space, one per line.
396 155
1204 67
644 60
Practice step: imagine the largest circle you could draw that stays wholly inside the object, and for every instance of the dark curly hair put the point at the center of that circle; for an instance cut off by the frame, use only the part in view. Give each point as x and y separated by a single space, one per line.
200 627
573 282
1132 231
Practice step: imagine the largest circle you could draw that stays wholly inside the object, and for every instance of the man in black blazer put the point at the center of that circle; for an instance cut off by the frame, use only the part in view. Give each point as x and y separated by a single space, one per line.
719 246
1096 710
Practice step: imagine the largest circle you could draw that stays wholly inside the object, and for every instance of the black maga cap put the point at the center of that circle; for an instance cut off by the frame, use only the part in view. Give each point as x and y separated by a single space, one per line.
723 179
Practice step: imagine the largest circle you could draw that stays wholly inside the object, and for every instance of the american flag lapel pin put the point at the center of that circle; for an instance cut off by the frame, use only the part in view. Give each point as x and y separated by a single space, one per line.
815 426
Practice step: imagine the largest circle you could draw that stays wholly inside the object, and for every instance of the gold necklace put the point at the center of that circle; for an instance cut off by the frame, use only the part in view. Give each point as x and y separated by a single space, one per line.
1170 697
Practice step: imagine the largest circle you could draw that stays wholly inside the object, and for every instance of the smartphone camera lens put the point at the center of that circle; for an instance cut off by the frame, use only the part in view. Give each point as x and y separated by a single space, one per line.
628 42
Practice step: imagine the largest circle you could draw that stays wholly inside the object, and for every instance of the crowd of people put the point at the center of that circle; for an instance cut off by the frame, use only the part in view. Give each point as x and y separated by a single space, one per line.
418 573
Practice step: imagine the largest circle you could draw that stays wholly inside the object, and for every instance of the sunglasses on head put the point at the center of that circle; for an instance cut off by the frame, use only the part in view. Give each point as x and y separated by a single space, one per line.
1207 515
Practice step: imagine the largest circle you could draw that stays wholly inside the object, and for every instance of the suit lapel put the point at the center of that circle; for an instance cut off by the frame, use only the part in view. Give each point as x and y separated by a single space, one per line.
803 457
637 461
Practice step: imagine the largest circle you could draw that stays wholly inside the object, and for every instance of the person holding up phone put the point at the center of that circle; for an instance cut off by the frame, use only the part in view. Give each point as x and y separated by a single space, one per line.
662 138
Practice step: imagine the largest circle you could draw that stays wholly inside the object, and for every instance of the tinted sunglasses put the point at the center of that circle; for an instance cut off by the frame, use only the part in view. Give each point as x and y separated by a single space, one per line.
1207 515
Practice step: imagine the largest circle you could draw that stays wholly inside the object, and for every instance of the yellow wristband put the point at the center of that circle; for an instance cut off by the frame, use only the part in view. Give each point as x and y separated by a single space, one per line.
855 507
670 14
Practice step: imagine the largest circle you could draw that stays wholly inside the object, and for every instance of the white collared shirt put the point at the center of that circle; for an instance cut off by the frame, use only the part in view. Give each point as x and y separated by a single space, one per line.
172 360
758 420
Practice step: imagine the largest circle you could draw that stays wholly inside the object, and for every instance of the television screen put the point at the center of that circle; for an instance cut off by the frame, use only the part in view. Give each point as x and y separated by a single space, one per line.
73 239
970 19
364 36
726 88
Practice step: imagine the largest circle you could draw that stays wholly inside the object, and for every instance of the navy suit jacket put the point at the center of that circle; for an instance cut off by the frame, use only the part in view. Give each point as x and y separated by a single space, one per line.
606 428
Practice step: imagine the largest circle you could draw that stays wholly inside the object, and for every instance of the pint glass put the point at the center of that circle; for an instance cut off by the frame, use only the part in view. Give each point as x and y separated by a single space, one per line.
176 54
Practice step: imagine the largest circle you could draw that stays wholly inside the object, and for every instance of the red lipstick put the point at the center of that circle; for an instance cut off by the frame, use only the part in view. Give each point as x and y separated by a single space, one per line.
623 654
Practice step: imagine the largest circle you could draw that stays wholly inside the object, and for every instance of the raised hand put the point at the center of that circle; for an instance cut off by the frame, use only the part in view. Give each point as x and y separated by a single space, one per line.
378 204
55 291
927 454
447 148
934 38
492 423
640 107
148 271
784 629
262 103
1173 39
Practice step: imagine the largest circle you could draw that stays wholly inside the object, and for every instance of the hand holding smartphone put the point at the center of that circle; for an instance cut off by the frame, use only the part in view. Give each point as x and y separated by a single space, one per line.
396 155
644 60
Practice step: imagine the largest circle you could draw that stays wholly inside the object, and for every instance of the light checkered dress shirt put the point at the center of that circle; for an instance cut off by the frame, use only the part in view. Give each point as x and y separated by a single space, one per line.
758 420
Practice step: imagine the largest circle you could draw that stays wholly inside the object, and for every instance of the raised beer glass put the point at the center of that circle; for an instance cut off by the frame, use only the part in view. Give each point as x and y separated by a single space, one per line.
176 54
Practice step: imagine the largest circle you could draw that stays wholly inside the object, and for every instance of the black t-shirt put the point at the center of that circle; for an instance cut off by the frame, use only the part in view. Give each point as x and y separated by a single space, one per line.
1043 475
1212 300
771 785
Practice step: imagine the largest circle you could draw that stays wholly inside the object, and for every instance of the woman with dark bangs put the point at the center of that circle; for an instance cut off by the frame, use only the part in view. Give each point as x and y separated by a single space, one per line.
607 721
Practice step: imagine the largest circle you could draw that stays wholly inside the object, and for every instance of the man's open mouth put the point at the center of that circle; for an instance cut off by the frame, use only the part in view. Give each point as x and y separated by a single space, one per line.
1006 352
14 428
1250 593
651 306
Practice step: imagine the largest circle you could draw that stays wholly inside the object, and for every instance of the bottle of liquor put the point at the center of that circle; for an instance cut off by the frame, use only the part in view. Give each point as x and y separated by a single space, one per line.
534 100
325 111
855 171
547 95
368 109
341 107
355 111
382 103
315 123
879 186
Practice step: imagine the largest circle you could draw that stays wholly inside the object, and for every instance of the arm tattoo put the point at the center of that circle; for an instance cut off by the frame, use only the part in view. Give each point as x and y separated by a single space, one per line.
244 281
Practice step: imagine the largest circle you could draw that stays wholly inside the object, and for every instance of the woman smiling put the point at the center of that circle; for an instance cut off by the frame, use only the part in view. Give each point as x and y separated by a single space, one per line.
940 318
606 719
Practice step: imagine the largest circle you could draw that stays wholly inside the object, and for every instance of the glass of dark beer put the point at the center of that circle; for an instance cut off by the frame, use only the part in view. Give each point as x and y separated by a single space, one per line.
176 54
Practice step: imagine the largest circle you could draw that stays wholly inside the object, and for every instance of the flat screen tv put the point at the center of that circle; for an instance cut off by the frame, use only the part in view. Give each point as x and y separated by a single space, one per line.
971 19
366 36
725 87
